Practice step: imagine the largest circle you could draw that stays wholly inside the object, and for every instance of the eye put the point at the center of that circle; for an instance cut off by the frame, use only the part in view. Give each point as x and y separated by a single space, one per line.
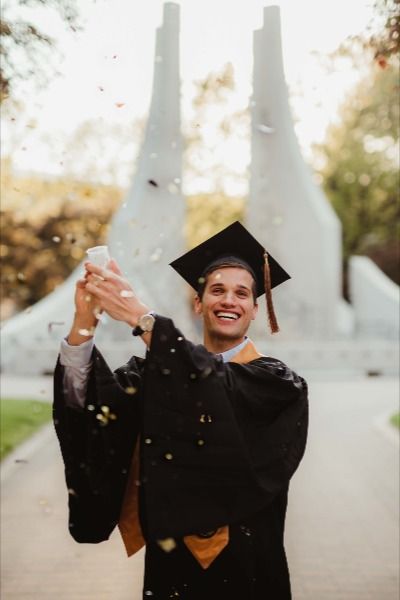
243 294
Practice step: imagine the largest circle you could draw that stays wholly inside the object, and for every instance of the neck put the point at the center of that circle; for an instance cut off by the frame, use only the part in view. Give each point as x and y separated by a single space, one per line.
218 345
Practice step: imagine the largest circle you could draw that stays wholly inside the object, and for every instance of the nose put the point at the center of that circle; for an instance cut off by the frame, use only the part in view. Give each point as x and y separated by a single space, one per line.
228 299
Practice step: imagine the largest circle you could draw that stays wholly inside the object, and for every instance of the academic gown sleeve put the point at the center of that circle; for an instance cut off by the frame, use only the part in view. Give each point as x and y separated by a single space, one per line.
220 441
97 443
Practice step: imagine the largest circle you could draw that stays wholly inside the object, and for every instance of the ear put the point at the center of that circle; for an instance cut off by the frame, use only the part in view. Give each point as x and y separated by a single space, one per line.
255 311
198 307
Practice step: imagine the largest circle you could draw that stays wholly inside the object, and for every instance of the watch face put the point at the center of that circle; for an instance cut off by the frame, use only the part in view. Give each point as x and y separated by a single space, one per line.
146 322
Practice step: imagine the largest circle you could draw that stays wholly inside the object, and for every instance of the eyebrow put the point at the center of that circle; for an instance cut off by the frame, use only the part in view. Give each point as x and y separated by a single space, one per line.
240 285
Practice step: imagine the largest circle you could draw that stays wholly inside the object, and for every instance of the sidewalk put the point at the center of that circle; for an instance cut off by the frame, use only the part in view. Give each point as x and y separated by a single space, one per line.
342 523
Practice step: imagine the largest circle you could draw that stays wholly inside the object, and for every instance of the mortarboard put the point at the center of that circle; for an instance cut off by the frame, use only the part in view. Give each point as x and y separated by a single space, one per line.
234 242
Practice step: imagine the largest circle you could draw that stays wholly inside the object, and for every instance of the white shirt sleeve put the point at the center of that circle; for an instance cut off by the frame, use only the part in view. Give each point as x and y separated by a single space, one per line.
77 364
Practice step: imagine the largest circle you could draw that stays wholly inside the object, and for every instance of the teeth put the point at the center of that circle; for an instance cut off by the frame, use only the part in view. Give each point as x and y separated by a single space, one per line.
230 316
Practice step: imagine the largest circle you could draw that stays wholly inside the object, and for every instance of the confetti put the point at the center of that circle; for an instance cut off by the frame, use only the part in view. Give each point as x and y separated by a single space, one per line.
148 441
127 294
86 332
119 104
200 442
265 128
168 456
167 545
201 280
155 257
152 182
131 390
54 324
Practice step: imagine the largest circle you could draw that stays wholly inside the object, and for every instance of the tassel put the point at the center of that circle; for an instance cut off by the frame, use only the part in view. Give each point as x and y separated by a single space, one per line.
273 323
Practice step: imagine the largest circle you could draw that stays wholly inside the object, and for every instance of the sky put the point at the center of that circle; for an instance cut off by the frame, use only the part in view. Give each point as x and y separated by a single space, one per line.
106 69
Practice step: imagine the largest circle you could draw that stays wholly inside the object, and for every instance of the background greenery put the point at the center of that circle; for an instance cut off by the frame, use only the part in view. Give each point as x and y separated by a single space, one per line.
18 420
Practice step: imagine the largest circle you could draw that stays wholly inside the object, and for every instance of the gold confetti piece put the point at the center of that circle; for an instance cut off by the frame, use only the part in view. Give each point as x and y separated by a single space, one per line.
201 280
21 277
86 332
53 324
205 418
200 442
119 104
193 376
165 371
167 545
105 409
172 350
148 441
91 407
130 390
168 456
180 338
56 239
127 294
72 492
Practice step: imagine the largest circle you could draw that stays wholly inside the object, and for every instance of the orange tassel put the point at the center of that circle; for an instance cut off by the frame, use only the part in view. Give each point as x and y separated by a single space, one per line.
273 323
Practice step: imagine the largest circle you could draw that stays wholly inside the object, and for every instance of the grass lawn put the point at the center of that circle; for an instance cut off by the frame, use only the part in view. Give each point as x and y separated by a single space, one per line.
395 420
19 419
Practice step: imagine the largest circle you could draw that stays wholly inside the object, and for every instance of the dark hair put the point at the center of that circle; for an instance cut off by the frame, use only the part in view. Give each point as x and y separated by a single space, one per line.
224 263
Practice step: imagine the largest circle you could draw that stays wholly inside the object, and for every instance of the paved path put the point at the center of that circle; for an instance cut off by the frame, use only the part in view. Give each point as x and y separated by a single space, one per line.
342 522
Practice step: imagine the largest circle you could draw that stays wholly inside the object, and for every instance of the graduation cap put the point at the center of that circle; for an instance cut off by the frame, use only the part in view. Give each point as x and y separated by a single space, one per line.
234 246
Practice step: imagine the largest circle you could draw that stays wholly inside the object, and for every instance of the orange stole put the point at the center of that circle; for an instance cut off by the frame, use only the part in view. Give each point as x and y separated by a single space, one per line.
205 550
129 525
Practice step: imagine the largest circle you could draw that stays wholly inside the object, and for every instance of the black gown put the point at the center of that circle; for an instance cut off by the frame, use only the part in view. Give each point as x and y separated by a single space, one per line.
219 443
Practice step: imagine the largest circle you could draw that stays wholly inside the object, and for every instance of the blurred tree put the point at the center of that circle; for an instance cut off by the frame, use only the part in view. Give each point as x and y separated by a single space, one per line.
39 248
25 49
382 38
358 163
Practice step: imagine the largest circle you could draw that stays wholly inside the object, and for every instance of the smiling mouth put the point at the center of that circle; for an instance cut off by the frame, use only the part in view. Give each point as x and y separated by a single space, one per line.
226 316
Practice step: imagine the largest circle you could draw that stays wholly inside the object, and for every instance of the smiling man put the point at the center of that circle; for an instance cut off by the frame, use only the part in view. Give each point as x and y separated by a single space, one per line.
190 450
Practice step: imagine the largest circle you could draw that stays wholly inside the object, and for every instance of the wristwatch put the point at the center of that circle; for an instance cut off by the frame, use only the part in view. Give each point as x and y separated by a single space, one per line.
145 324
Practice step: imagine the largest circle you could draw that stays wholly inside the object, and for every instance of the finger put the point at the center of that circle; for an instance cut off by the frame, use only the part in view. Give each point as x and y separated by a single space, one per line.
91 268
94 290
113 266
81 283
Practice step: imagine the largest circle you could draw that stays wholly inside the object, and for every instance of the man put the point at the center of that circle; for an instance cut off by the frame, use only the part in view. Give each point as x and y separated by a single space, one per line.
191 449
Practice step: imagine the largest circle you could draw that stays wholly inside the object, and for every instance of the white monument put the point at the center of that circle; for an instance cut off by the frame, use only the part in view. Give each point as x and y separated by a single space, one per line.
145 235
287 211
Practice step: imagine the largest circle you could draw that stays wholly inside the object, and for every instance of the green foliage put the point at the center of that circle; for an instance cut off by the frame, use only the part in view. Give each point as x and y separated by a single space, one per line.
395 420
358 164
39 251
19 419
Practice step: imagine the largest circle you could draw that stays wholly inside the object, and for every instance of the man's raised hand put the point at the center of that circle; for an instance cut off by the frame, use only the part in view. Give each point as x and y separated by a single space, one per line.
114 293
